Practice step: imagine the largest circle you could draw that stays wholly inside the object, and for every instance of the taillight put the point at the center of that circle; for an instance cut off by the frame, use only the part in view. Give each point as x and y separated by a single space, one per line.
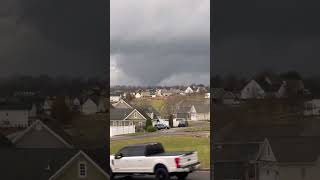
177 160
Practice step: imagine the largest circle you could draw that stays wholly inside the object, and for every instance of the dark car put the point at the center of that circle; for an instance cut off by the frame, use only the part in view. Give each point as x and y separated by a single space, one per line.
161 126
183 124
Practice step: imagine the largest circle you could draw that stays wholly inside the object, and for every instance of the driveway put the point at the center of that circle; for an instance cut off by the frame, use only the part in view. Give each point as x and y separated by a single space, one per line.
198 175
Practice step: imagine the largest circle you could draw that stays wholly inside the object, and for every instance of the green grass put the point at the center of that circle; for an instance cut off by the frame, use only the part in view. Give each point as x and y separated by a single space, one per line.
174 143
197 129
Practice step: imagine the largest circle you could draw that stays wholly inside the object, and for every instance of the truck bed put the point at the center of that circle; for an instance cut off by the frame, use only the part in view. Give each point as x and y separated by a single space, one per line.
176 153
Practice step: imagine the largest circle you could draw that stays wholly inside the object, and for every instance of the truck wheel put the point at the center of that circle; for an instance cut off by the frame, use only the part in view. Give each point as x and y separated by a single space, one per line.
162 174
182 176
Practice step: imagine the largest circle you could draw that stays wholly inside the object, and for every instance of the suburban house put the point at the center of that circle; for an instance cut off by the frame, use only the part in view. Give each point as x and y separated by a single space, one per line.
252 91
193 110
138 95
200 112
76 105
292 87
122 104
16 115
49 149
93 105
264 86
115 97
274 158
41 134
183 112
297 157
190 90
207 95
47 105
49 164
222 96
201 89
127 117
151 112
312 107
244 161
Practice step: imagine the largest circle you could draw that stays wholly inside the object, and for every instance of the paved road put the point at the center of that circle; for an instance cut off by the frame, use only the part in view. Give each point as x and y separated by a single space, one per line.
172 131
199 175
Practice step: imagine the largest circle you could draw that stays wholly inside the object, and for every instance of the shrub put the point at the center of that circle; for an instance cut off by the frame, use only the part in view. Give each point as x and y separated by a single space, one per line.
151 129
148 123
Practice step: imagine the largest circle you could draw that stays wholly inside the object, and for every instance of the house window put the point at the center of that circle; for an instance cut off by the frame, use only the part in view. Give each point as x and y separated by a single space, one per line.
135 115
140 123
120 123
82 169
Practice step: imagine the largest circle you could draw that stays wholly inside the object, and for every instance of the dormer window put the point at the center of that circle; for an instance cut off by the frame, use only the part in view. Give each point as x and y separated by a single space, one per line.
82 171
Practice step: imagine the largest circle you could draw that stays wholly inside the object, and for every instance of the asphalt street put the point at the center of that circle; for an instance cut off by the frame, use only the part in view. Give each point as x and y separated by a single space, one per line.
198 175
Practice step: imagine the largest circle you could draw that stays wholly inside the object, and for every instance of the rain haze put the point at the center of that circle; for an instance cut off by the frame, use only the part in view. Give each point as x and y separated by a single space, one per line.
53 37
160 42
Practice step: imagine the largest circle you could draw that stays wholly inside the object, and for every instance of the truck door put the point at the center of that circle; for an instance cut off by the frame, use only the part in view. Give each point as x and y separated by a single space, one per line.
121 164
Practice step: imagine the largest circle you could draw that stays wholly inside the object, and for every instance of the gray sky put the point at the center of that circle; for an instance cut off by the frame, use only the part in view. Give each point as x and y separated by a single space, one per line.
54 37
266 34
160 42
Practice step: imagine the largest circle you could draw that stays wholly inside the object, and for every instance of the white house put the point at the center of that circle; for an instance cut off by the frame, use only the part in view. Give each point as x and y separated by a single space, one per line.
252 91
126 121
115 97
200 112
76 102
122 104
312 108
138 95
47 106
89 107
189 90
15 115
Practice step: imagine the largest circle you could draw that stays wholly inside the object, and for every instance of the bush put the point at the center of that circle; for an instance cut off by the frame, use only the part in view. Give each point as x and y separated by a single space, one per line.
148 123
151 129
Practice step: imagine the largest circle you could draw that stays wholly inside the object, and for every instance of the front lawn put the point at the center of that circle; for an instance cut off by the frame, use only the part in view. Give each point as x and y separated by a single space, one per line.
173 143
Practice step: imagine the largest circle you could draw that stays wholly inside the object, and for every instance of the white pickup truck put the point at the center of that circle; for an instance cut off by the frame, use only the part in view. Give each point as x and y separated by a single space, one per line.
151 159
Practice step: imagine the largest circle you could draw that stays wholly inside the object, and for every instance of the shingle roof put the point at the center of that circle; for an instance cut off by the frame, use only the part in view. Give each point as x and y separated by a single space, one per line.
295 149
183 109
202 108
32 163
119 114
236 152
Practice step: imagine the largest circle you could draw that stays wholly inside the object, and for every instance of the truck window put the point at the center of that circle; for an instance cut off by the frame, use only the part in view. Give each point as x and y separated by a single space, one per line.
154 149
133 151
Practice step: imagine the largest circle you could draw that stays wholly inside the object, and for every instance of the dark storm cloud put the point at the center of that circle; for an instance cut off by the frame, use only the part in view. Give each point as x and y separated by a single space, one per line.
160 42
53 36
255 35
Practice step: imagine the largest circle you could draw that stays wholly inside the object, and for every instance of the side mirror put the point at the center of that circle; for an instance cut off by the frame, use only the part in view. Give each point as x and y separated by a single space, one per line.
118 156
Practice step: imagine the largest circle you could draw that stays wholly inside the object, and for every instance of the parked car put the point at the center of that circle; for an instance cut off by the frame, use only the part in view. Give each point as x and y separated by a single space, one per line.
161 126
151 159
183 124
